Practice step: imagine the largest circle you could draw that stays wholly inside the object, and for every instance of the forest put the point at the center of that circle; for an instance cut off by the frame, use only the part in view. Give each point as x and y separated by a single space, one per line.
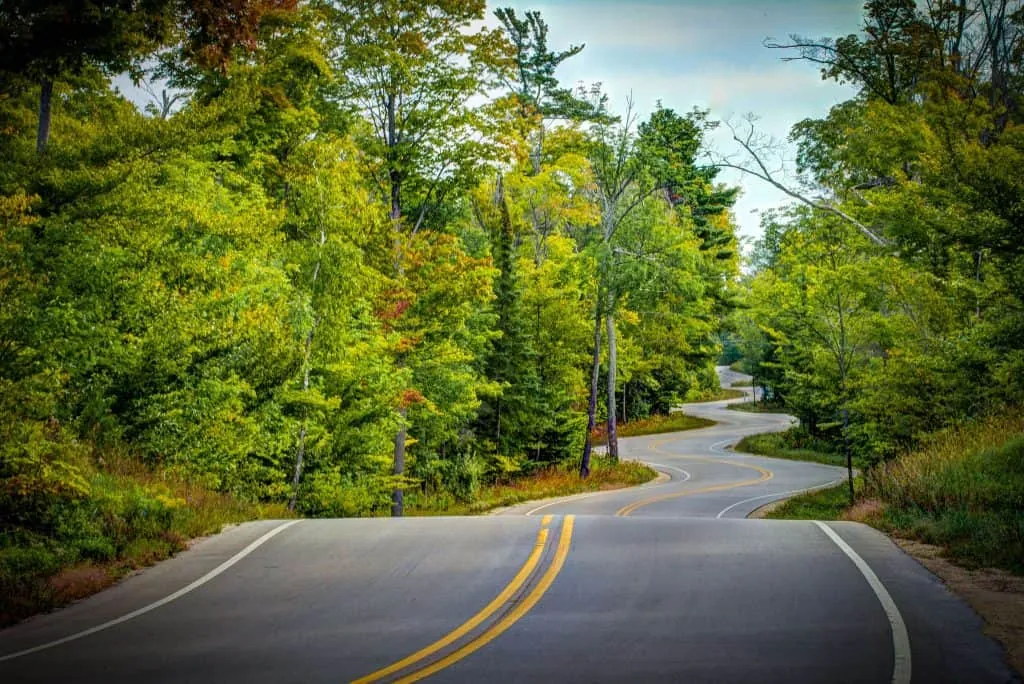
350 256
883 307
356 257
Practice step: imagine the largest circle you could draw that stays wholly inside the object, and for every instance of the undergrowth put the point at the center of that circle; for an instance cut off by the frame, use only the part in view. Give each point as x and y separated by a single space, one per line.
795 444
56 547
556 480
674 422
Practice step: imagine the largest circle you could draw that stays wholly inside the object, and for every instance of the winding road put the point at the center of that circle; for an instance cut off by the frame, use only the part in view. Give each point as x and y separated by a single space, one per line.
664 582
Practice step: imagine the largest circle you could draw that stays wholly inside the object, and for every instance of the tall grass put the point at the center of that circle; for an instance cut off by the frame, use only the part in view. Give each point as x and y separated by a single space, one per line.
963 489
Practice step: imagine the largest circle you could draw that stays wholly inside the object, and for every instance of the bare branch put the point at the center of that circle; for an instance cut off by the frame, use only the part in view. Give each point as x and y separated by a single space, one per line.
749 143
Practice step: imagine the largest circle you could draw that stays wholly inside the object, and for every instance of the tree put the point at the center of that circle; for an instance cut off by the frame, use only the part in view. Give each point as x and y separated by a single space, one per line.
630 167
43 40
535 89
414 68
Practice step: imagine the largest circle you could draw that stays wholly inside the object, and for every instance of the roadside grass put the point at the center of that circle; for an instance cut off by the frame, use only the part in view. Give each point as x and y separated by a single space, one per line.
757 407
961 490
717 395
557 480
130 517
742 383
674 422
794 444
825 504
738 366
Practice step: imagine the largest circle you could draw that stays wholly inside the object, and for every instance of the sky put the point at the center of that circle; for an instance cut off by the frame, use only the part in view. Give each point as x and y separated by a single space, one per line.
705 53
687 53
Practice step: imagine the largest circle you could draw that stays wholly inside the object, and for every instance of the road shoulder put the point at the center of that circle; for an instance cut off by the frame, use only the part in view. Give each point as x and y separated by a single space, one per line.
136 590
995 595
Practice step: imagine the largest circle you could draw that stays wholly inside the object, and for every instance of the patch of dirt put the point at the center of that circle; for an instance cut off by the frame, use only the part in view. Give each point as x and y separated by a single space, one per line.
997 596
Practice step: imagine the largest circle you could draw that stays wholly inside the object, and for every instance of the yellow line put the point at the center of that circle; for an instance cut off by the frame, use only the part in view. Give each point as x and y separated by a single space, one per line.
471 623
521 609
653 446
545 520
765 476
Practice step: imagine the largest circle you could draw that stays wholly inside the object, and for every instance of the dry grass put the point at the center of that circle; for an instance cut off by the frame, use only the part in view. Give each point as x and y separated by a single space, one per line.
867 511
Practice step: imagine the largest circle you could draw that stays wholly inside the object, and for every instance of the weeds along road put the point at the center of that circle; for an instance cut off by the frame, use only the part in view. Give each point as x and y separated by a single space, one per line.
666 582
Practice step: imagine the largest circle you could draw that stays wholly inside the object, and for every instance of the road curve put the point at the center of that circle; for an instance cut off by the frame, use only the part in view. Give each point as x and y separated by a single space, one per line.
706 478
678 587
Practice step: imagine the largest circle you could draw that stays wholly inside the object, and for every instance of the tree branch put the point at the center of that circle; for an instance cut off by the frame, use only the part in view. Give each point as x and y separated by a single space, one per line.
762 172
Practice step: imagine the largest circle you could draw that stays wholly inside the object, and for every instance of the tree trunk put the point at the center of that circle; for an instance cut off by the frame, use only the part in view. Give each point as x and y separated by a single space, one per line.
307 356
592 404
300 452
397 495
613 435
45 98
299 457
625 414
395 178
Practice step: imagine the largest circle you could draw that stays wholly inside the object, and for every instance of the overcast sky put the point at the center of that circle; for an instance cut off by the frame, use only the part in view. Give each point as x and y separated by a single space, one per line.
705 53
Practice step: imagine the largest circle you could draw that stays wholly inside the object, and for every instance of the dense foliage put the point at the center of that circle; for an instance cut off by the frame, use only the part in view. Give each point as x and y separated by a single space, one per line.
351 249
898 299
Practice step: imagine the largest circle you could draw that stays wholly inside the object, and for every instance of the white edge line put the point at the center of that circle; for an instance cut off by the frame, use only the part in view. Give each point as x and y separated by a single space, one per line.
668 467
579 497
156 604
717 446
900 638
768 496
574 497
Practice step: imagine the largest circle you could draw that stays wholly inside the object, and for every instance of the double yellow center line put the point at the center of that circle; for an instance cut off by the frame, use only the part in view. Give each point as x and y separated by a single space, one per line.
629 508
424 663
765 475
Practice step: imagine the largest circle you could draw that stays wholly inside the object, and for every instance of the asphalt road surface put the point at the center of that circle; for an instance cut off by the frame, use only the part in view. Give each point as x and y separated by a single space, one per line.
665 582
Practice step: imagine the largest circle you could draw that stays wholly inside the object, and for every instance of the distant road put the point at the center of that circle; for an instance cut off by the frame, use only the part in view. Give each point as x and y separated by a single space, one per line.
665 582
708 480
